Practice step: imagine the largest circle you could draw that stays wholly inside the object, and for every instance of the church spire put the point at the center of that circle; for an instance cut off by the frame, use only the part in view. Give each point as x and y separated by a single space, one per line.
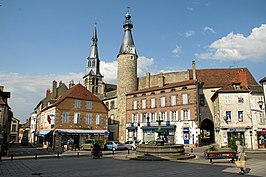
93 66
127 45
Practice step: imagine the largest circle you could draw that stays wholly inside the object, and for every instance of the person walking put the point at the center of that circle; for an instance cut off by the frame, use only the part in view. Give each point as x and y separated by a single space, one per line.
241 163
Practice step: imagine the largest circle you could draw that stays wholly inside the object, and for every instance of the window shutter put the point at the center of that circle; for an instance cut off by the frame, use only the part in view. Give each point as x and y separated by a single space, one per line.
132 118
188 114
141 118
182 115
165 115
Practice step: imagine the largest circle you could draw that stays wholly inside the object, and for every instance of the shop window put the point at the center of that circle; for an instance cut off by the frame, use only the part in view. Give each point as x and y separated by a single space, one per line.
240 116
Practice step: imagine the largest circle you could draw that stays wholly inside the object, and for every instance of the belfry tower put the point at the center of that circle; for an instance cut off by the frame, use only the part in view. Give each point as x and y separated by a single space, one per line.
93 78
126 74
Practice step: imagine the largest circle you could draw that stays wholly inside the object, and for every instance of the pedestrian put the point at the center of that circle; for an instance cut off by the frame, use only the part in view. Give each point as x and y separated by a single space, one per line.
240 163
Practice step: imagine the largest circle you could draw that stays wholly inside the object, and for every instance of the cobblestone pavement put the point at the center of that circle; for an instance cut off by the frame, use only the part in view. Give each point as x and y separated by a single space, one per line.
85 166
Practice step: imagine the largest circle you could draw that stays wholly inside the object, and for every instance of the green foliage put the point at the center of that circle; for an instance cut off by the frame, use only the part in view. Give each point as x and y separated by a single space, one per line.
213 148
232 143
98 144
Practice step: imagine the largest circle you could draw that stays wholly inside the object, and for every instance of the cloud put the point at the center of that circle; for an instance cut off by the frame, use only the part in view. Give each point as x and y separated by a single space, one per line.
176 51
190 33
209 29
190 8
28 90
238 47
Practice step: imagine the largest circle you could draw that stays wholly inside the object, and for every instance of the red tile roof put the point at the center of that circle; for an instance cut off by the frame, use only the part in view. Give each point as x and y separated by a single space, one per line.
78 92
224 76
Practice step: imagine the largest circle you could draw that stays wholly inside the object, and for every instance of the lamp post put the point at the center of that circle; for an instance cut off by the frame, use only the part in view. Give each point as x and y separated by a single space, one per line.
250 132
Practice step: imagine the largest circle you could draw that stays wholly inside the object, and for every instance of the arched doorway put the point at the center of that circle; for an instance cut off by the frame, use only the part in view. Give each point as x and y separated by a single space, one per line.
207 132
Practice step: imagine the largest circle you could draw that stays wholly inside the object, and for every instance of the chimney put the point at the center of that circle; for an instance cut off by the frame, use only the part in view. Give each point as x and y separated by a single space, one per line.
48 91
242 76
148 80
194 70
161 80
71 84
54 89
1 88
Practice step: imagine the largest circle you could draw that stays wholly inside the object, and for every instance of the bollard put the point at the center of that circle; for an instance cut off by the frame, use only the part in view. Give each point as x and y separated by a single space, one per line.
113 152
78 154
58 155
11 156
191 150
128 151
35 156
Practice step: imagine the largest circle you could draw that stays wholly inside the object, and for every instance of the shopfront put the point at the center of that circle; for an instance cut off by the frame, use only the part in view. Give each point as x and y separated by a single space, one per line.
150 134
234 134
261 136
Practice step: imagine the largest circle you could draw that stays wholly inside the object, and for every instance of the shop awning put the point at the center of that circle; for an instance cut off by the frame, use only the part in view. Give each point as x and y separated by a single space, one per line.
131 128
78 131
171 127
43 132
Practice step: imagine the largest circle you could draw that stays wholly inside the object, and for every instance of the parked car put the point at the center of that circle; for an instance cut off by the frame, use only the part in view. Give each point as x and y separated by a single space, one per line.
114 145
87 145
131 144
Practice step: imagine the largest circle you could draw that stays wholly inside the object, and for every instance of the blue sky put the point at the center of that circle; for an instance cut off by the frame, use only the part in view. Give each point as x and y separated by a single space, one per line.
42 41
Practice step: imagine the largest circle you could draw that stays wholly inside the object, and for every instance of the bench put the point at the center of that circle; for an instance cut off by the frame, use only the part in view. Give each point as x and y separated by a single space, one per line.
221 155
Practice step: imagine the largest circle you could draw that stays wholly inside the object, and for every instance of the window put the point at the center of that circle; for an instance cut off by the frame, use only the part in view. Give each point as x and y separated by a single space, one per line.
173 115
240 116
144 117
76 118
185 98
153 103
163 116
162 100
112 104
185 114
153 117
228 116
143 104
88 118
14 128
227 99
98 119
135 118
240 100
89 105
77 104
65 117
135 105
173 100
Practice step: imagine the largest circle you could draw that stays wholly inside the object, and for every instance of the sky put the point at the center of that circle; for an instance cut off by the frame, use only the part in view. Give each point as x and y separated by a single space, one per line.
42 41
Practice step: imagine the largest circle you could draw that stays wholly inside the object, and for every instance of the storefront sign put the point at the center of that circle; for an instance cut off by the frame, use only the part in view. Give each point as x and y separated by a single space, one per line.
236 129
